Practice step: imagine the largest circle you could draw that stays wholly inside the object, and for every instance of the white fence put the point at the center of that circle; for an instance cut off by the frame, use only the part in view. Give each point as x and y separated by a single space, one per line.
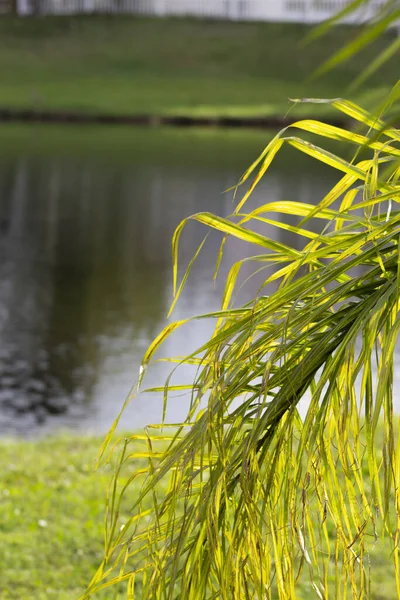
303 11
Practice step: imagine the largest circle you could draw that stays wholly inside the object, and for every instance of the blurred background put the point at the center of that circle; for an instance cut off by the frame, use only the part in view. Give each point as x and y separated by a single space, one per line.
87 210
267 10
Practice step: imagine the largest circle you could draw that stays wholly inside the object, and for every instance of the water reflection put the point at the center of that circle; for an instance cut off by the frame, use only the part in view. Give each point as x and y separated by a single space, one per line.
85 276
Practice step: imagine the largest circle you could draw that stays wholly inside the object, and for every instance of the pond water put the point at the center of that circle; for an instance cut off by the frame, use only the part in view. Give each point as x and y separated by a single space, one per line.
86 220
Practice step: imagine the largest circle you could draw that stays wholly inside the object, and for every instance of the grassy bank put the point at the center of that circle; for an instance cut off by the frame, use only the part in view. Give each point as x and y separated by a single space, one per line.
52 507
124 65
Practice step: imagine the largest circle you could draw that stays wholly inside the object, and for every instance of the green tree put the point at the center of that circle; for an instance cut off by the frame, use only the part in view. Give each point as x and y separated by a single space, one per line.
261 502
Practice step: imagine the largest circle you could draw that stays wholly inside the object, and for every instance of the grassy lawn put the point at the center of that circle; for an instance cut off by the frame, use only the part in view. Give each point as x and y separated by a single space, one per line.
52 507
128 65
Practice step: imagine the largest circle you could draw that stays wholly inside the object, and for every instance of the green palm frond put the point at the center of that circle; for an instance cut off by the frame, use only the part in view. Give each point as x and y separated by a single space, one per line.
251 497
378 18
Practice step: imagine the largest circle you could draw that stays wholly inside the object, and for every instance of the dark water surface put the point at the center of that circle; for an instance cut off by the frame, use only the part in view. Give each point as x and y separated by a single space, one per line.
86 220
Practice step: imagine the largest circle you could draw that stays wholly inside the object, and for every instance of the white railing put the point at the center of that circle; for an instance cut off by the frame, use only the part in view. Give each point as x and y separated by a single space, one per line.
303 11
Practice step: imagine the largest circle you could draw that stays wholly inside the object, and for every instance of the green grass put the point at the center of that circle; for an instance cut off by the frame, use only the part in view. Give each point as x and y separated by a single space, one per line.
52 507
181 66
